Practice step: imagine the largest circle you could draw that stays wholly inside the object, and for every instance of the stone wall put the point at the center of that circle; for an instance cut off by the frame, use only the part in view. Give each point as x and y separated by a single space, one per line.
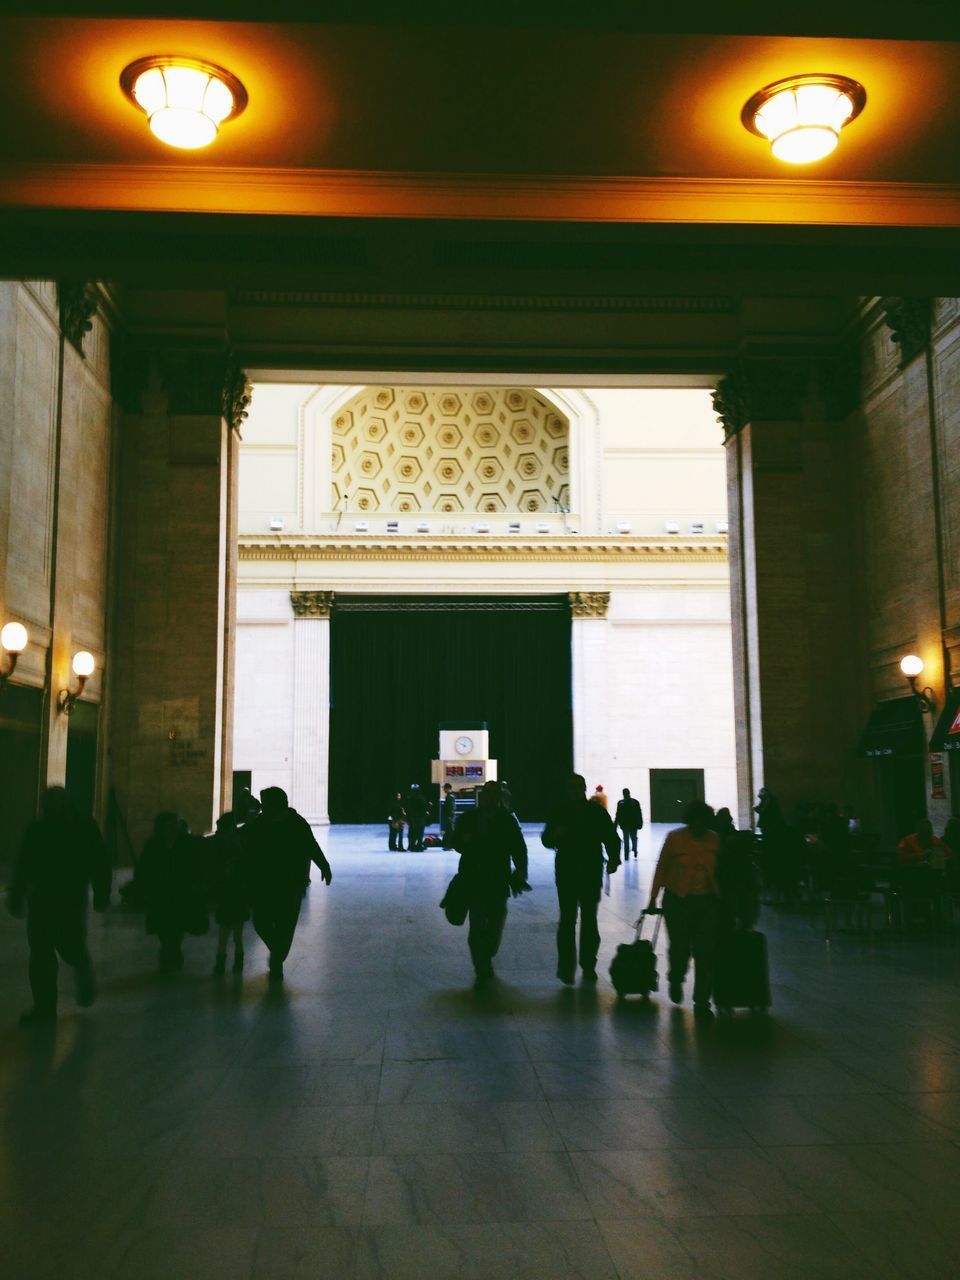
56 419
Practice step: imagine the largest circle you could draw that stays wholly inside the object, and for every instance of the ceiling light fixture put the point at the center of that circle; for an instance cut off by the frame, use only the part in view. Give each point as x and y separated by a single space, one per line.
185 100
802 116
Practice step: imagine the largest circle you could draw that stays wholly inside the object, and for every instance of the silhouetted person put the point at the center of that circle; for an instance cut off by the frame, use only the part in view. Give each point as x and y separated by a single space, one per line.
580 830
416 807
247 806
506 796
738 881
62 854
723 825
686 871
168 876
279 846
494 864
448 815
630 820
396 818
228 890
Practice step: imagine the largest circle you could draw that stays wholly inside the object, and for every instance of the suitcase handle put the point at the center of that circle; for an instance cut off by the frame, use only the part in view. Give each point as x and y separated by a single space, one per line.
656 927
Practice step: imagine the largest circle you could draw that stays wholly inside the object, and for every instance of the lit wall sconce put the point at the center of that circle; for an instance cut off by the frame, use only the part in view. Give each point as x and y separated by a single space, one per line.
696 526
723 526
802 116
542 526
671 526
623 526
393 526
185 100
276 525
361 526
513 526
13 641
482 526
912 668
423 526
83 665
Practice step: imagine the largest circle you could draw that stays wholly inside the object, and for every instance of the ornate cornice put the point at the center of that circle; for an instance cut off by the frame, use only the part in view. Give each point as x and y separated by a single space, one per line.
78 302
589 604
312 604
908 320
334 547
638 304
778 389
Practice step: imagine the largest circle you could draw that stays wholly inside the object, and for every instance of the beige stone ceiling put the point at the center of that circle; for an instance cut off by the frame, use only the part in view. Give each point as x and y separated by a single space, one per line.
450 449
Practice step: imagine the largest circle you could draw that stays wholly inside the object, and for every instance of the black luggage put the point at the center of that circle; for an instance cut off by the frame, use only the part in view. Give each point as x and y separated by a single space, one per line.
633 970
741 979
456 901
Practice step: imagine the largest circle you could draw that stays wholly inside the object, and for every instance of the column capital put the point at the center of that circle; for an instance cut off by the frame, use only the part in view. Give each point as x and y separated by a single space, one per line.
312 604
787 388
908 320
589 604
201 380
78 301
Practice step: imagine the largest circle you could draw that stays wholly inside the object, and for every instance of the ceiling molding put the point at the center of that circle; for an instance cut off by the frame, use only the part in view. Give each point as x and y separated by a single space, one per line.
343 193
347 547
357 300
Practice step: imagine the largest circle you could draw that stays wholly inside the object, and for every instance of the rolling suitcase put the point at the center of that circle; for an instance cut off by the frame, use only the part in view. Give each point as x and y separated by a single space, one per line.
741 979
633 970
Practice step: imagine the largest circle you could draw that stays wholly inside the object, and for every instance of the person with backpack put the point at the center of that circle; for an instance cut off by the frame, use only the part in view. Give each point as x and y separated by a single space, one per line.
493 865
580 831
62 855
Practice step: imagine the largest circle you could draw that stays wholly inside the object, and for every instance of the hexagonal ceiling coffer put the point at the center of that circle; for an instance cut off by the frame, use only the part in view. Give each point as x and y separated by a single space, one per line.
522 431
369 465
450 404
447 502
449 470
408 468
486 435
529 466
343 422
450 436
375 429
532 500
366 500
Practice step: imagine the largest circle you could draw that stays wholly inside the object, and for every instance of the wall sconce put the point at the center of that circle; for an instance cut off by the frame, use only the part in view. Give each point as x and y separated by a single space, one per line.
83 665
802 116
185 100
912 668
13 640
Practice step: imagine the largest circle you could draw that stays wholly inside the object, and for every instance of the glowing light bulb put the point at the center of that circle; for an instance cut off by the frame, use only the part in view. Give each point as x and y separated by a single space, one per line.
83 664
911 665
14 637
185 101
802 116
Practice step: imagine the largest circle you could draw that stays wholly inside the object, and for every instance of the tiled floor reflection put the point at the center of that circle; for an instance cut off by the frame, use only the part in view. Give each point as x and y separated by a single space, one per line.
379 1118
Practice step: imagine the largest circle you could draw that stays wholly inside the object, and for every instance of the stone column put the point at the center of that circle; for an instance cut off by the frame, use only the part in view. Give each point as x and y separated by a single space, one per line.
175 598
796 686
588 639
311 703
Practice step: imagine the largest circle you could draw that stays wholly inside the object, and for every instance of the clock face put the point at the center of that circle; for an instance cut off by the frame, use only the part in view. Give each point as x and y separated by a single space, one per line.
463 746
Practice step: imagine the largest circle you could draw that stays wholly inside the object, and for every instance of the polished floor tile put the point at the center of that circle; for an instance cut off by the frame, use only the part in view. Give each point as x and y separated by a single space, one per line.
378 1117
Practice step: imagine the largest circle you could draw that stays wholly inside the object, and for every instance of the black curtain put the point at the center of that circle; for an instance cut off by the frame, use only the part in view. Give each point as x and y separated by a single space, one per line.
401 666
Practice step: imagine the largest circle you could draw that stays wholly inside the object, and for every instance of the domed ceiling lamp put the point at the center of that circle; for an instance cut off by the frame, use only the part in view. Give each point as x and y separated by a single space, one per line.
185 100
802 115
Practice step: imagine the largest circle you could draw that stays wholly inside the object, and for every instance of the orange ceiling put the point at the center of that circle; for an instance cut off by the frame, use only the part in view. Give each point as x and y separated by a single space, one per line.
375 99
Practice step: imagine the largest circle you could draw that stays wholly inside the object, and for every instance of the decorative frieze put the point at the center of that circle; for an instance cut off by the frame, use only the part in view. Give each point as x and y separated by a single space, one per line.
908 320
78 305
347 547
589 604
312 604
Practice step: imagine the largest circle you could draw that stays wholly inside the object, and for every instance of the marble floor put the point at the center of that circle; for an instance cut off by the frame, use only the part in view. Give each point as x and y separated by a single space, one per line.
379 1118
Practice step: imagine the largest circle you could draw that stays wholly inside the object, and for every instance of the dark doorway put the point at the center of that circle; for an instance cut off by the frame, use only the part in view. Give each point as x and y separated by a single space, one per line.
902 794
81 780
21 710
671 790
399 666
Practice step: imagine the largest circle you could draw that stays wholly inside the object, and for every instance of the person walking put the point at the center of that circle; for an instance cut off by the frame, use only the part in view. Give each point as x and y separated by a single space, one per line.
168 874
686 872
228 890
629 819
279 846
396 819
416 807
601 798
61 856
448 815
580 831
494 864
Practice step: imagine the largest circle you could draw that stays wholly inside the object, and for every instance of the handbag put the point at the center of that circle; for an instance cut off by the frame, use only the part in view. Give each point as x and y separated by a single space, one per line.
456 901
